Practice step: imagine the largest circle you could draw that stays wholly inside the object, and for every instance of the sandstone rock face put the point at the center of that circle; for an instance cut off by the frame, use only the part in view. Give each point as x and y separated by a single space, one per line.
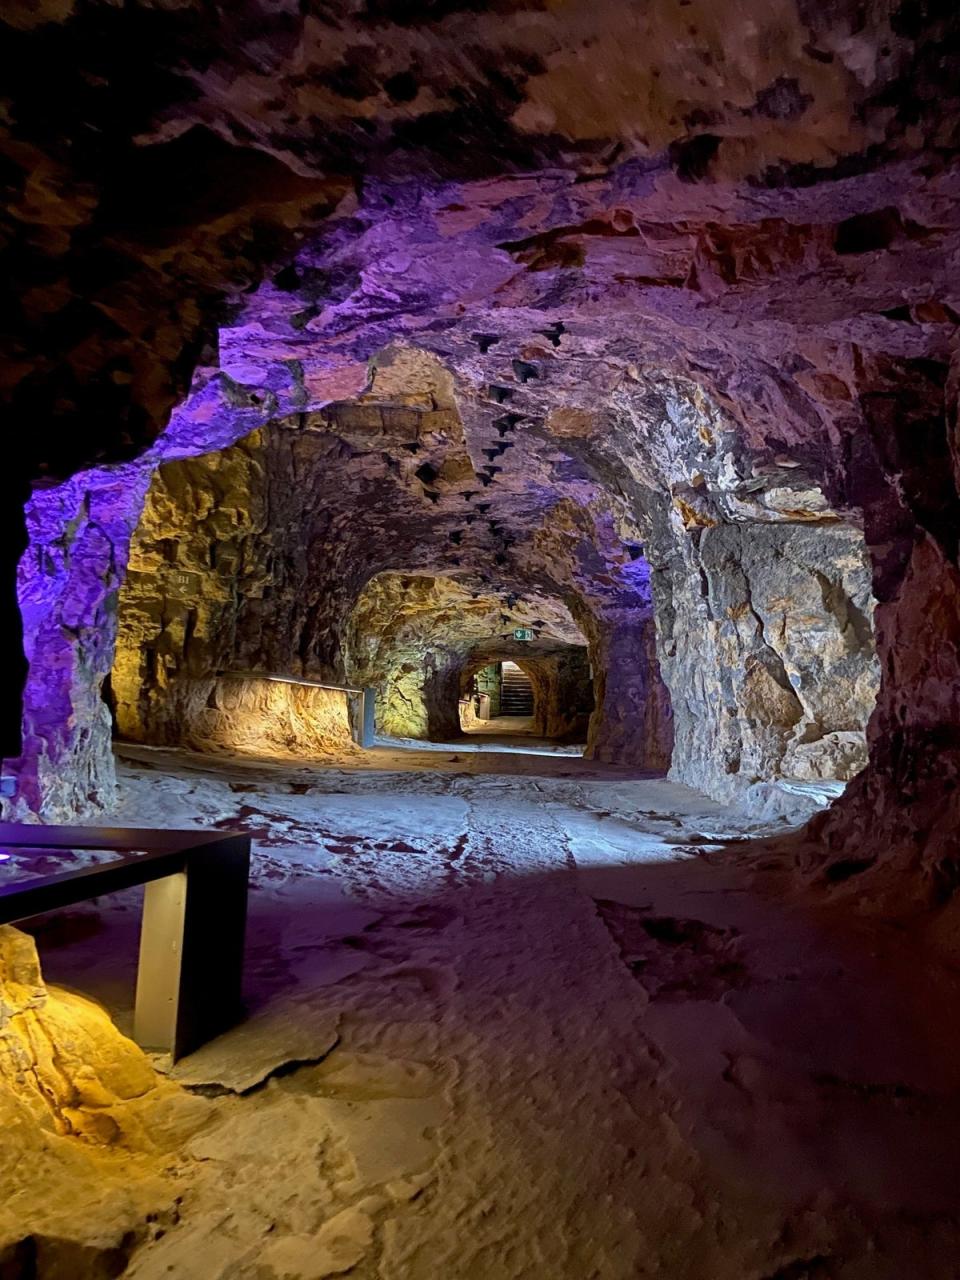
61 1058
252 715
764 608
68 583
633 722
87 1126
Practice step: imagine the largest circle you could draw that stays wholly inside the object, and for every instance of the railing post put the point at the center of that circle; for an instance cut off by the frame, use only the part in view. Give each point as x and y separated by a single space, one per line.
368 721
160 968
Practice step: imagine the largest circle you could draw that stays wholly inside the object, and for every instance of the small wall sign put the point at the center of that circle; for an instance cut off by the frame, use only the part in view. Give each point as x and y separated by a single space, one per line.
522 633
181 583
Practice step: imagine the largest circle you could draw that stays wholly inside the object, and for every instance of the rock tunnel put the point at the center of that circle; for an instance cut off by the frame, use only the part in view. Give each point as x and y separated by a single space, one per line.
356 354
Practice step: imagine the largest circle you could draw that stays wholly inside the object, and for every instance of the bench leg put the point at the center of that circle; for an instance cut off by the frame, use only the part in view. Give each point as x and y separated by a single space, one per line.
191 950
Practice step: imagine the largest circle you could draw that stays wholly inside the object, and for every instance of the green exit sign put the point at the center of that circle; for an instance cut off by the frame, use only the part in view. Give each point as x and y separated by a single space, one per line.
522 633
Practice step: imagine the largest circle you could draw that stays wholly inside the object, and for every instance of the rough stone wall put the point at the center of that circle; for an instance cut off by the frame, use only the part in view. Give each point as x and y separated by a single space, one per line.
244 560
762 592
632 722
568 700
69 582
908 799
767 648
419 698
250 559
253 716
202 548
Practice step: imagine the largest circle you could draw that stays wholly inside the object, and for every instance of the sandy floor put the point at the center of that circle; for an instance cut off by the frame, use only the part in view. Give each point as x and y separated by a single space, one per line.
525 1018
506 728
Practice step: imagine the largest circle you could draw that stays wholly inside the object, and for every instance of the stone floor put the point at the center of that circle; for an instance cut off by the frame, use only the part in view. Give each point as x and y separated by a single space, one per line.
526 1017
505 727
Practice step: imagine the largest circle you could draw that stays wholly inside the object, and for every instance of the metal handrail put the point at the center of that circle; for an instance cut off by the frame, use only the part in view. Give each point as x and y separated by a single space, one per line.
259 675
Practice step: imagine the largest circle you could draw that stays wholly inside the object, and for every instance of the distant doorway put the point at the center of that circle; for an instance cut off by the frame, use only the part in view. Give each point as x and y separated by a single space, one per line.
499 697
548 695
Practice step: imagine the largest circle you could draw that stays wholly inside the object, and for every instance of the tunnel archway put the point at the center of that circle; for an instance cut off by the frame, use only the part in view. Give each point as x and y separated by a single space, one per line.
420 639
234 570
560 689
639 471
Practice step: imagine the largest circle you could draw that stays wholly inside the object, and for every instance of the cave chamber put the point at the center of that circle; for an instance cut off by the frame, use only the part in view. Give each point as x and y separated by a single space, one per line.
500 462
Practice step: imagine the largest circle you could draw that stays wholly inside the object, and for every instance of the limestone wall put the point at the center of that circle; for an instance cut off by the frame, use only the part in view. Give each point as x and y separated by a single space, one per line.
266 557
567 698
632 722
766 644
69 583
261 717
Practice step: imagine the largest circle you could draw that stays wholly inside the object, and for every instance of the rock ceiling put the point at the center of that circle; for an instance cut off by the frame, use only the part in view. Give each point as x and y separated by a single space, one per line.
766 186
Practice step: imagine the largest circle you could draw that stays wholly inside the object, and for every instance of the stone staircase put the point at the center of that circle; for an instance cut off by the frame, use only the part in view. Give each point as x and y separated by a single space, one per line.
516 692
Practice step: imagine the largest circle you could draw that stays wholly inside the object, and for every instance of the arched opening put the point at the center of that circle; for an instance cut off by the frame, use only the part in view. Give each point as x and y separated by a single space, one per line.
253 613
499 691
555 702
424 642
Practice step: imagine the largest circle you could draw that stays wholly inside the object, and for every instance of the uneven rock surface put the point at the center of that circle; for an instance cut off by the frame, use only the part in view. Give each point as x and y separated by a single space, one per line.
518 1027
63 1063
89 1129
768 652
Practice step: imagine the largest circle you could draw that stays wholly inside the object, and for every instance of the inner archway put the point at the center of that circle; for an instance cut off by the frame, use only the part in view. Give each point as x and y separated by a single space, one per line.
423 640
500 695
557 690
